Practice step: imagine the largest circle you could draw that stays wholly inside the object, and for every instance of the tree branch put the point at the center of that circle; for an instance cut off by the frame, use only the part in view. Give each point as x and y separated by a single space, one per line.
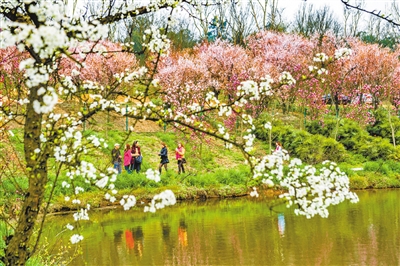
373 12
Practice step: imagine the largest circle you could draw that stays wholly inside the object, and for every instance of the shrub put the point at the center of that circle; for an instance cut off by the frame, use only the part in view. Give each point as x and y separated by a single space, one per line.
377 148
349 133
324 128
307 147
372 166
358 182
377 180
382 127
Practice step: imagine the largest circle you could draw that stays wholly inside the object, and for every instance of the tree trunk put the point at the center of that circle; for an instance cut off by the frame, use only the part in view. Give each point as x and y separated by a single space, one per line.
392 128
19 247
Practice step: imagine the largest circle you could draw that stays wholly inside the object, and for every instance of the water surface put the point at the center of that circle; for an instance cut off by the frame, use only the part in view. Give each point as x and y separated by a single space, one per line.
241 231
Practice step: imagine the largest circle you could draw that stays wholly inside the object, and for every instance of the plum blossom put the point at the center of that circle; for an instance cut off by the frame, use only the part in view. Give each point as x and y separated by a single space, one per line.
128 201
153 175
158 43
320 57
81 215
268 126
254 192
311 190
286 78
343 53
159 201
69 227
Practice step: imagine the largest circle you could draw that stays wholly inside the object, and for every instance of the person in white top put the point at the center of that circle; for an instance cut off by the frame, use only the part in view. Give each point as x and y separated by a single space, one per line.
278 147
278 150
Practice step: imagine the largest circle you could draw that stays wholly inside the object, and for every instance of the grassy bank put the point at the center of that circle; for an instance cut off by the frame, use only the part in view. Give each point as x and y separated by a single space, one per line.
211 171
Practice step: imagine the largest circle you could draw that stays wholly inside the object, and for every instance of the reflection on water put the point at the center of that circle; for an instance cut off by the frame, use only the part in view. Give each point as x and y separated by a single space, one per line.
134 240
182 233
281 224
243 232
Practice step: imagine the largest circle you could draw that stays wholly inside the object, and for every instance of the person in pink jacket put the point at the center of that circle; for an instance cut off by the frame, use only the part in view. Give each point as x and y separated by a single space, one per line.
180 156
127 158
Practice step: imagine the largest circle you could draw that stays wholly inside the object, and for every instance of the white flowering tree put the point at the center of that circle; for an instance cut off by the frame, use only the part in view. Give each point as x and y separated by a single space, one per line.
47 33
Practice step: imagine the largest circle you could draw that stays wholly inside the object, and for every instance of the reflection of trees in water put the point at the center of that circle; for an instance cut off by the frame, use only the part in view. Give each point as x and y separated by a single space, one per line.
116 247
166 229
236 245
168 244
364 234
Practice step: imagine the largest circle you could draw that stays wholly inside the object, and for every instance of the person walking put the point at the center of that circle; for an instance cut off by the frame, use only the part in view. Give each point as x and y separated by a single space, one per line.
136 161
180 157
164 157
127 158
116 158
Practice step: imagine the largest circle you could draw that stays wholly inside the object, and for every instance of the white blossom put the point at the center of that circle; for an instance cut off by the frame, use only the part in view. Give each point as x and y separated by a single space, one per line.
76 238
128 201
153 175
320 57
286 78
69 227
254 193
81 215
343 53
159 201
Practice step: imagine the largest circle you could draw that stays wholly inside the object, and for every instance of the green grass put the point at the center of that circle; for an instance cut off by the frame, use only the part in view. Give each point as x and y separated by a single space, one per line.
210 168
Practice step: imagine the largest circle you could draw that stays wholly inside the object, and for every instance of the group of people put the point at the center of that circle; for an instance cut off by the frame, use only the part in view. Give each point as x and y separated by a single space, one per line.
179 156
132 157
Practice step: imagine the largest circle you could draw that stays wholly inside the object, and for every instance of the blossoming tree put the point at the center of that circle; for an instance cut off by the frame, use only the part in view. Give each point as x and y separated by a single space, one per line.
61 45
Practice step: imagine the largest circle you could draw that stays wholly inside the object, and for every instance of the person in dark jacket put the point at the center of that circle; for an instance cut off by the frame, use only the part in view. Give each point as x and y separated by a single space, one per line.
164 157
116 158
136 157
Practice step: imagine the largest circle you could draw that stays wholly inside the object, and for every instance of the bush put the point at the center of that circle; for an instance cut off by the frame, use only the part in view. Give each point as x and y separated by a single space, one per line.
311 149
358 182
349 133
377 180
377 148
382 127
324 128
372 166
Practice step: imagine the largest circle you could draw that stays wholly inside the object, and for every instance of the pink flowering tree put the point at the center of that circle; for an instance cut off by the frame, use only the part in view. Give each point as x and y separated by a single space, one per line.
101 60
273 54
374 70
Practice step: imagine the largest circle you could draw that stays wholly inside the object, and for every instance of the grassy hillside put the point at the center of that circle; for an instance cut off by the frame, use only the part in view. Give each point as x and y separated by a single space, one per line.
212 170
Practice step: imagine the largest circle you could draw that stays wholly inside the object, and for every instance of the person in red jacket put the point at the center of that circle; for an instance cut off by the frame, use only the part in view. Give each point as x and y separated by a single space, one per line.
180 157
136 161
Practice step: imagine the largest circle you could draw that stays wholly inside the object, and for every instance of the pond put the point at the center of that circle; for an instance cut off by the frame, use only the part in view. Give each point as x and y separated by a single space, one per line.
240 231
